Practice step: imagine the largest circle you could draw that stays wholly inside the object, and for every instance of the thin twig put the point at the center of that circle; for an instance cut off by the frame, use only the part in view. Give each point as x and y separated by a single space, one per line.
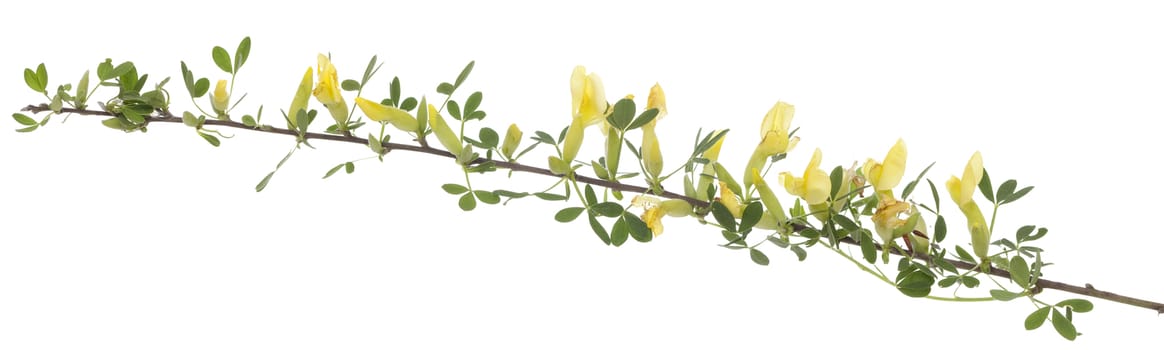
166 117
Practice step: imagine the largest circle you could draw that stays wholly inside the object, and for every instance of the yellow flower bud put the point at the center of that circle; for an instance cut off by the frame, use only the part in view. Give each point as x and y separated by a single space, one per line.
771 204
712 155
220 98
382 113
652 156
327 91
512 140
573 141
962 192
814 187
448 138
657 100
299 103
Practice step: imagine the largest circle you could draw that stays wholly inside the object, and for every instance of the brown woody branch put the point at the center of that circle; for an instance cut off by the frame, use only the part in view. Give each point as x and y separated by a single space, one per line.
166 117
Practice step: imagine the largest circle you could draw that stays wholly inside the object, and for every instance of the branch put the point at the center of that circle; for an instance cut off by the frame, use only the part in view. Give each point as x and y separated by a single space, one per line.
166 117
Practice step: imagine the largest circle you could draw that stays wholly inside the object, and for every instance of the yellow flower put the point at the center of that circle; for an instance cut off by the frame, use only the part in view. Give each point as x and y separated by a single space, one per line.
774 138
652 155
589 108
814 187
730 200
512 140
962 192
220 98
381 113
657 100
299 103
891 214
884 176
588 97
327 91
448 138
654 210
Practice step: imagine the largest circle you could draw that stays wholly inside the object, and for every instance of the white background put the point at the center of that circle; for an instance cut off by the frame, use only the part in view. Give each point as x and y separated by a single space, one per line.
157 240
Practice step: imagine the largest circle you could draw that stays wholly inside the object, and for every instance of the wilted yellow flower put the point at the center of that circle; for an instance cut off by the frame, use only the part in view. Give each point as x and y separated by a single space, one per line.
962 192
814 187
382 113
884 176
220 98
448 138
512 140
327 91
773 137
299 103
890 215
654 210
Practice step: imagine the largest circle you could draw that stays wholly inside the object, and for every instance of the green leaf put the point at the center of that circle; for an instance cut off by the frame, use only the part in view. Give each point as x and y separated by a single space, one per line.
619 233
201 87
23 119
846 223
1019 194
778 241
1020 272
467 202
985 187
1036 319
800 253
33 81
473 102
940 229
970 281
350 85
638 229
370 70
624 111
248 120
550 196
120 70
453 189
242 53
333 170
408 104
394 91
487 197
210 138
1077 305
591 198
912 184
445 89
1006 190
82 90
758 257
221 59
723 216
1063 325
1002 295
937 202
599 230
489 138
465 73
31 128
751 216
263 184
1024 233
835 178
915 284
568 214
645 117
454 109
608 209
349 167
868 250
948 281
964 255
42 76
